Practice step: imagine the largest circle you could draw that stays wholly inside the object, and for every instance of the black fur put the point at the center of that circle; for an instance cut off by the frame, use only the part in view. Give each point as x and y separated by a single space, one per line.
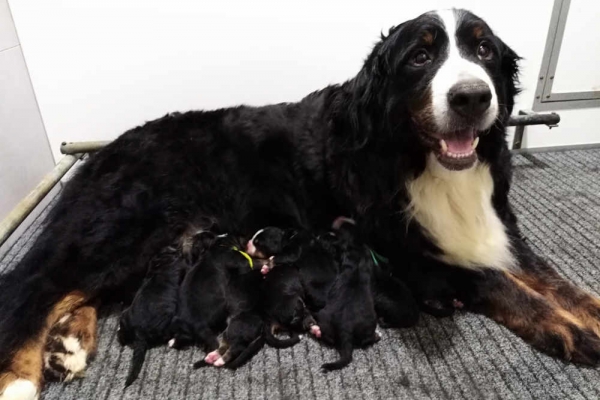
348 149
147 321
243 336
349 318
202 296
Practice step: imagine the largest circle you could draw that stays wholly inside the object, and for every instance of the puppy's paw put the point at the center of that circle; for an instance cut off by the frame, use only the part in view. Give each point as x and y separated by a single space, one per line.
458 304
265 269
20 389
219 363
315 330
64 359
212 357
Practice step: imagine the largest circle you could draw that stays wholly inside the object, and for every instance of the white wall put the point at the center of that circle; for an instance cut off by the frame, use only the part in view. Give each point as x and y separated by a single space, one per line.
25 155
100 67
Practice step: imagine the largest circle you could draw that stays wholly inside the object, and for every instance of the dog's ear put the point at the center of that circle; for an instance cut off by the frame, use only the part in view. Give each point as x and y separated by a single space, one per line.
510 74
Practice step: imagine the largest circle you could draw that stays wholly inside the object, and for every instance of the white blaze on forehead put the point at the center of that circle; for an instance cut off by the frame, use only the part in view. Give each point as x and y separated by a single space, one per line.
454 70
256 234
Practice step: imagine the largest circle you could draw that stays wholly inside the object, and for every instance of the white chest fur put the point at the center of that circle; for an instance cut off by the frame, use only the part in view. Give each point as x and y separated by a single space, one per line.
455 209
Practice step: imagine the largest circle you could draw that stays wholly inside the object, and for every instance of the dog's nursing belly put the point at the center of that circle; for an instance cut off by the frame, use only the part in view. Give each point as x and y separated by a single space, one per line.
455 210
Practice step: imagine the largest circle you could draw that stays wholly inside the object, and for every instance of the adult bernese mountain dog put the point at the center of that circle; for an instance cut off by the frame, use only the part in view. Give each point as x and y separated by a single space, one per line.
413 148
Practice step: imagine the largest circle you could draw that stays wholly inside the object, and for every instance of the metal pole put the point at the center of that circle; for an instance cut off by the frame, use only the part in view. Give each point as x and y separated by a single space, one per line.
525 118
82 147
26 206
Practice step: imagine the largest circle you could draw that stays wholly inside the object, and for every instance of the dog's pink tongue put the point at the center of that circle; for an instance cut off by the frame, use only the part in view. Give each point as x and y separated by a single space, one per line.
460 143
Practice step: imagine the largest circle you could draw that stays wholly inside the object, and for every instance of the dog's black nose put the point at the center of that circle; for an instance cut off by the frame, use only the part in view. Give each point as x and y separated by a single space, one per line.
470 98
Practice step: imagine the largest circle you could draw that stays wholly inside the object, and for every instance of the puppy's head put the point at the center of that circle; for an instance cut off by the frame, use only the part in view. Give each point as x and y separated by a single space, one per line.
268 242
450 76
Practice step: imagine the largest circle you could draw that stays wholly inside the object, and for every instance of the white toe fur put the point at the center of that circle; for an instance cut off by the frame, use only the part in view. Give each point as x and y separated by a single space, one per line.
74 360
21 389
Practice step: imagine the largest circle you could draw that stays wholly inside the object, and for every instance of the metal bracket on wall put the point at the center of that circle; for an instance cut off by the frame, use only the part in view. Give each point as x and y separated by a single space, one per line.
527 117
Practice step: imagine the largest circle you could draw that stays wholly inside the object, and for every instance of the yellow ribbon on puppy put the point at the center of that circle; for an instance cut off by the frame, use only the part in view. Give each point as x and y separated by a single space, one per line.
245 255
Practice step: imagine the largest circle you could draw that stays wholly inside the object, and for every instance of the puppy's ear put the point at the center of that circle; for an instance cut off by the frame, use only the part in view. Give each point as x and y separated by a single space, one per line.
510 74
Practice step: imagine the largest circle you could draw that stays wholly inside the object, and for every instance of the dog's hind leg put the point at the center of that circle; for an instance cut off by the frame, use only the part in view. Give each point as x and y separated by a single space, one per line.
71 343
23 378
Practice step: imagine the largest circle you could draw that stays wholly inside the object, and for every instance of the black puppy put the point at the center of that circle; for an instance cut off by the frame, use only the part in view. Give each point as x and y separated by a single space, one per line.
148 319
283 295
395 305
243 336
203 294
316 258
348 319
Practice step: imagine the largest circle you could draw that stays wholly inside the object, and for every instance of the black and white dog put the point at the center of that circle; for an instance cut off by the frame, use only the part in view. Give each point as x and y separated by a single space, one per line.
413 147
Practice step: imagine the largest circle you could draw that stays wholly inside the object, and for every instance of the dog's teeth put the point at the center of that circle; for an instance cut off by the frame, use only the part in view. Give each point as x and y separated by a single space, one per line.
475 143
443 145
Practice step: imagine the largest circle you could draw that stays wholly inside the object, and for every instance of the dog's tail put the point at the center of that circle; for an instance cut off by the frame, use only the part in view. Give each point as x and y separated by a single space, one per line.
345 349
279 343
249 352
140 347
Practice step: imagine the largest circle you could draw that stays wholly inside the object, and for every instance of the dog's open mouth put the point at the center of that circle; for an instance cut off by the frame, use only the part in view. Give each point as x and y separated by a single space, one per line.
456 151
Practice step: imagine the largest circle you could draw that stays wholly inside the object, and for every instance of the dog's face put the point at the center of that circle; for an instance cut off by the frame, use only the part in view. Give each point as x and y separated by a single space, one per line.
451 76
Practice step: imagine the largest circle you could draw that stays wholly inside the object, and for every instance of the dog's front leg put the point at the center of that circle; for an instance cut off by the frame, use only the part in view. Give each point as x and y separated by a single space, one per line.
535 317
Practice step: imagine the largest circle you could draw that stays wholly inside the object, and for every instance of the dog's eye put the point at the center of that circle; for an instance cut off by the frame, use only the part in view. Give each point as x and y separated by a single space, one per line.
484 52
420 58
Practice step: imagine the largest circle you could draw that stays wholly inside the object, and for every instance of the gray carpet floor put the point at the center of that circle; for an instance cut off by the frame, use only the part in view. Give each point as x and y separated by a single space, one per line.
557 197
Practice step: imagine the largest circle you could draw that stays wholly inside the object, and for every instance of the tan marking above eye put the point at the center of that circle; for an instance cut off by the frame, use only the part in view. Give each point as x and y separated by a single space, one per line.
478 31
428 38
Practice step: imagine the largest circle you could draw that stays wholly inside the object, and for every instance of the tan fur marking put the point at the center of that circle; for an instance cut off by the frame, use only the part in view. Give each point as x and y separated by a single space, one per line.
478 31
455 209
84 326
428 38
27 362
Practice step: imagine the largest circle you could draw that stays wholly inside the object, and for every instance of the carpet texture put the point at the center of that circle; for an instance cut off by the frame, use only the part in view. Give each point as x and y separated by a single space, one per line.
557 198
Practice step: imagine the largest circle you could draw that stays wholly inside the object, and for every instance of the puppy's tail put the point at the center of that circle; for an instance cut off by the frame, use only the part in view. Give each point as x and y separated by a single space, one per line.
279 343
345 349
140 347
247 354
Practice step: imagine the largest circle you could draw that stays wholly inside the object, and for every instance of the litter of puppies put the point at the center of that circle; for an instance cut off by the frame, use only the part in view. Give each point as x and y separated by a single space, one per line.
231 296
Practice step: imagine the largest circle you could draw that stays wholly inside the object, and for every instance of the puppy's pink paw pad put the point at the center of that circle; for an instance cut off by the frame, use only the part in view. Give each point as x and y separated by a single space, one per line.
212 357
315 331
265 269
457 303
219 363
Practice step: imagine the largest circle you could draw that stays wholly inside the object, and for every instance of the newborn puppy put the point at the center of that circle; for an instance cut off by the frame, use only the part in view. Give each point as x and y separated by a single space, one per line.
283 294
394 303
243 336
148 319
268 242
202 296
348 319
